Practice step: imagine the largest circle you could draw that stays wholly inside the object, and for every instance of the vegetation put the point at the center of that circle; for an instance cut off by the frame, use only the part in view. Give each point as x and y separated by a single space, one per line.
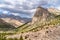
2 37
34 27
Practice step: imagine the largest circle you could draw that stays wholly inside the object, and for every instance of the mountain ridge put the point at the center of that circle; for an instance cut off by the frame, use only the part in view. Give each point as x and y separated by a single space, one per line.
14 20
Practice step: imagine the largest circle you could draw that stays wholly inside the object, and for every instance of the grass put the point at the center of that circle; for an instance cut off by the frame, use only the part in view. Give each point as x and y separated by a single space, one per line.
2 36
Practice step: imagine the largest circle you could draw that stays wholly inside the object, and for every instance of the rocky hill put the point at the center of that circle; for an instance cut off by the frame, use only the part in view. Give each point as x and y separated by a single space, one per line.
41 15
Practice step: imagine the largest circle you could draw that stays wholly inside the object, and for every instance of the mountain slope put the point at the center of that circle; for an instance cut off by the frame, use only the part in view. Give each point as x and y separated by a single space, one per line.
41 15
39 19
4 25
14 20
54 11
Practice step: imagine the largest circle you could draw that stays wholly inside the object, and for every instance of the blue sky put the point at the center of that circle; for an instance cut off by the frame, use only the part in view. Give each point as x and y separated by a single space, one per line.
25 8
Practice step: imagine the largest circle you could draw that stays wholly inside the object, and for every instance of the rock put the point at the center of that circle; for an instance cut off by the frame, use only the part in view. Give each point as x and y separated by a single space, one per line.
41 14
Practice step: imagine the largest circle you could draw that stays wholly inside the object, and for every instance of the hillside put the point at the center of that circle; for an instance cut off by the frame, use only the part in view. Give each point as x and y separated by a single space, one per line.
15 21
54 11
5 26
42 15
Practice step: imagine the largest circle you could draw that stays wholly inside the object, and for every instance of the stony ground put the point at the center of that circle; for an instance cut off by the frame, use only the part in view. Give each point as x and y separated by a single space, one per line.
47 33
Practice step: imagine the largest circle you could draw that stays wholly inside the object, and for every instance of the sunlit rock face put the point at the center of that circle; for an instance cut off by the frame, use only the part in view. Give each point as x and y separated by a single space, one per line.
13 22
41 14
54 11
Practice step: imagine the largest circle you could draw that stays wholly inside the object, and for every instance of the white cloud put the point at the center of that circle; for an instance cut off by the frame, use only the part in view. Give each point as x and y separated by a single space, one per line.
27 6
2 5
10 6
5 12
15 14
32 10
10 1
58 7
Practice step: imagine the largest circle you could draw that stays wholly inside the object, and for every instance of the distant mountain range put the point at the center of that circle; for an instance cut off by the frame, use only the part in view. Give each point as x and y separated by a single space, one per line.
14 20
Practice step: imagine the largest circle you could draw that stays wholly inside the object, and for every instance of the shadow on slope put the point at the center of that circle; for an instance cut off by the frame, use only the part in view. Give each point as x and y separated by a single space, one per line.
4 26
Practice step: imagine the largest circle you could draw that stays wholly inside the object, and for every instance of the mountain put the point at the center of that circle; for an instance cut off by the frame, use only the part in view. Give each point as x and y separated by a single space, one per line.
54 11
4 25
42 15
45 25
14 20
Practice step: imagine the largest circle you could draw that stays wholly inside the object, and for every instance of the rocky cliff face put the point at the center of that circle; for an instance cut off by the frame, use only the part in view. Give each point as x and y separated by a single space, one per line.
41 14
54 11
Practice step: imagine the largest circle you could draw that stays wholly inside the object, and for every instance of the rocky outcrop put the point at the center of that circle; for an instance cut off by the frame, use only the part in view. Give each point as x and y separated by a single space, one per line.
41 14
54 11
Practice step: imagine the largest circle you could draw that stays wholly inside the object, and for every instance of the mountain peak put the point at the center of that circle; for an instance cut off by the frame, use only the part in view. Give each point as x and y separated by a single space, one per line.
41 14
